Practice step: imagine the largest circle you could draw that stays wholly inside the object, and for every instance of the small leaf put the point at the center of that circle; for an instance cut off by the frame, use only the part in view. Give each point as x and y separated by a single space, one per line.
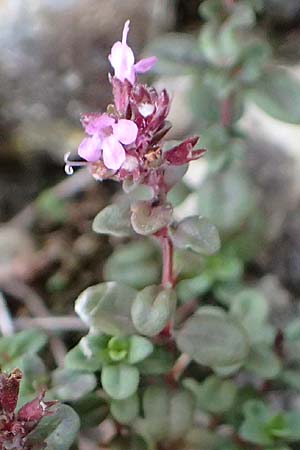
278 94
89 355
117 348
169 414
251 309
147 219
214 394
227 199
58 431
106 307
135 264
139 349
13 348
197 234
159 362
120 381
113 220
71 385
152 309
125 411
181 413
263 362
213 340
92 410
156 411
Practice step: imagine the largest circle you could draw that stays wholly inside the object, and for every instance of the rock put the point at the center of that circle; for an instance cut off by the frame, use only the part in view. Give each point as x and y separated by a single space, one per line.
53 64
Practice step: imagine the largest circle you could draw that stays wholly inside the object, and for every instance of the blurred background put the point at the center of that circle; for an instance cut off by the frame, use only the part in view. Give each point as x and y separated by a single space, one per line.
53 66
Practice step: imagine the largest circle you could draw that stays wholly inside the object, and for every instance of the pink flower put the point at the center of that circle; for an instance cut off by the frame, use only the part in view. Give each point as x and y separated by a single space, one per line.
105 140
122 59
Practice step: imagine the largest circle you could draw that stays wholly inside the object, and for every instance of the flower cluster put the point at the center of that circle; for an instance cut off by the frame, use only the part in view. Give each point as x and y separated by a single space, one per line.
15 427
125 142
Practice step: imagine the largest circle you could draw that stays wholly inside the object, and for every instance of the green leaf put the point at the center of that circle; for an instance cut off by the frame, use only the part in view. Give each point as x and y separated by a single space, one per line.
205 103
58 431
156 411
152 309
197 234
213 339
139 349
293 426
89 355
263 362
34 379
278 94
193 287
71 385
136 264
169 414
13 348
182 406
106 307
159 362
120 381
125 411
256 426
117 348
214 394
114 220
147 219
251 309
227 199
92 410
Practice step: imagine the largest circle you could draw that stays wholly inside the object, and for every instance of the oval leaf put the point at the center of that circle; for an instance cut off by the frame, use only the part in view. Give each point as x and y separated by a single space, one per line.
120 381
198 234
152 309
106 307
125 411
213 340
147 219
278 94
113 220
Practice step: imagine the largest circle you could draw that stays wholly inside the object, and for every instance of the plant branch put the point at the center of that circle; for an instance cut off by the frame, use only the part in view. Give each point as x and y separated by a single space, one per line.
168 279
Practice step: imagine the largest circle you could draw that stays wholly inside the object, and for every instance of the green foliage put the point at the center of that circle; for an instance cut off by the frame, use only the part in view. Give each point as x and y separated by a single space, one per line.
59 430
113 220
197 234
135 264
264 426
106 307
152 309
120 381
214 394
71 385
13 349
147 220
278 94
168 415
213 339
125 411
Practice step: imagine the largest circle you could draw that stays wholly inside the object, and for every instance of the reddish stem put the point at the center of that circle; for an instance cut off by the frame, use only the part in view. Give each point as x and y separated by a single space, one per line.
167 256
226 112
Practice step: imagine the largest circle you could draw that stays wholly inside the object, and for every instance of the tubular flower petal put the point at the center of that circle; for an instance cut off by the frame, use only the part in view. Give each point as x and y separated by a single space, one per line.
106 136
122 59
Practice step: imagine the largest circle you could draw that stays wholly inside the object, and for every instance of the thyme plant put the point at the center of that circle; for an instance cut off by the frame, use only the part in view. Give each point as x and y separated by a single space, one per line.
158 369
